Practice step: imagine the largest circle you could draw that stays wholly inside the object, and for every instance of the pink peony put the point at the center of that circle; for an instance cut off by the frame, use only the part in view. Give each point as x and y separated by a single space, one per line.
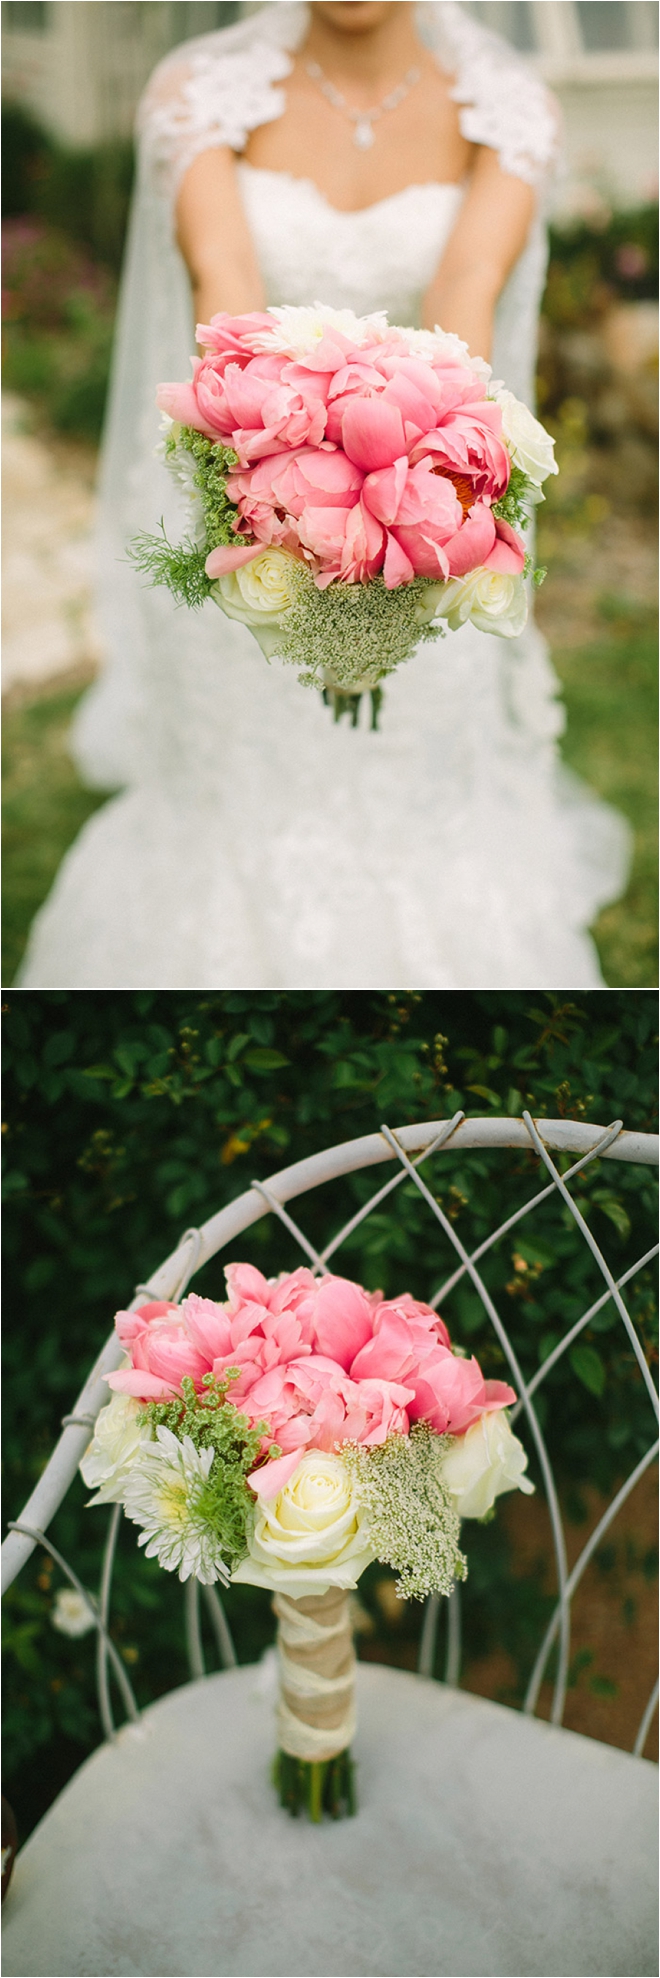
161 1351
468 441
321 1360
423 514
358 459
234 336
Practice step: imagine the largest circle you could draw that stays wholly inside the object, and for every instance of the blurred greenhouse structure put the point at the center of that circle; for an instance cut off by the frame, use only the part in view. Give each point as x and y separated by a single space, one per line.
79 66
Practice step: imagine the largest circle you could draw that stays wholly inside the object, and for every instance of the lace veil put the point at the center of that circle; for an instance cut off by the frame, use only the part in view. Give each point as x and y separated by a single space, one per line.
215 90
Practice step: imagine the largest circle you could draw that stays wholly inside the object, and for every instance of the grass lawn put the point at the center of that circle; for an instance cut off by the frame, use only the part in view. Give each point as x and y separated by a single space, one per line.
610 689
44 806
609 686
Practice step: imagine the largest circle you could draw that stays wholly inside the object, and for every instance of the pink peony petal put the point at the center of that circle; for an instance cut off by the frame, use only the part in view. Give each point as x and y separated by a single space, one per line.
472 544
269 1481
145 1386
342 1320
180 401
224 558
372 433
508 552
157 1310
397 568
382 491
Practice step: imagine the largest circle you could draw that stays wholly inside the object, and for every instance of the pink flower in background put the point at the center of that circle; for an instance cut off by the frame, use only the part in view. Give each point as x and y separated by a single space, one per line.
320 1359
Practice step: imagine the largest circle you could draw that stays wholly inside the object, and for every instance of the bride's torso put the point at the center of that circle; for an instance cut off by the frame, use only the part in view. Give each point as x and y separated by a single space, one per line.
381 256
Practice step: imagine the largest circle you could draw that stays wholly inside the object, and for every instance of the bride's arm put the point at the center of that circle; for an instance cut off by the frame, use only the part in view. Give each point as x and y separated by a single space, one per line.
214 238
489 235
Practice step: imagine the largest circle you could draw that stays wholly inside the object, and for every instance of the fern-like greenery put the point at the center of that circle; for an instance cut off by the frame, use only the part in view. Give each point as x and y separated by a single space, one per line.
180 566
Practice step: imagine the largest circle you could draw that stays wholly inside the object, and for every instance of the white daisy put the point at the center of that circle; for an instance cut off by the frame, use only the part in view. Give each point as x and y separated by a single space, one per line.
163 1494
298 330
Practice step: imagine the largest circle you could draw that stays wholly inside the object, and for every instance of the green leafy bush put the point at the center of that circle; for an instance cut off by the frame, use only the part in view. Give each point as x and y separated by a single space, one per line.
84 193
129 1117
58 313
613 257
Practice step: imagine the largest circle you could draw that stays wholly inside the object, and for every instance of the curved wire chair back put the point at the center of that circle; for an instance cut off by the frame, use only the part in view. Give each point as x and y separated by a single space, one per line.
411 1147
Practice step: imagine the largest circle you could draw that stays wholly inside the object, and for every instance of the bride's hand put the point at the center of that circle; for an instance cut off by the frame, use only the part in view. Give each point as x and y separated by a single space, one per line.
489 235
214 238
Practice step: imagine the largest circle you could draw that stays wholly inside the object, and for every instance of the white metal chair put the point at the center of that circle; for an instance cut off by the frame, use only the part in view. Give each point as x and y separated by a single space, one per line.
486 1841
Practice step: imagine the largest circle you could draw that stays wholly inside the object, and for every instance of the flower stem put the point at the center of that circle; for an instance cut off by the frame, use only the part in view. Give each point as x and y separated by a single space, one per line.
349 703
323 1786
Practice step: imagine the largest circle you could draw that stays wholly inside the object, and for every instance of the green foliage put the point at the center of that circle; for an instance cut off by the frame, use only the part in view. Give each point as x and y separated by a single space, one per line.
179 566
325 1786
223 1500
592 263
26 151
130 1116
611 691
58 309
85 192
513 507
213 463
64 223
44 806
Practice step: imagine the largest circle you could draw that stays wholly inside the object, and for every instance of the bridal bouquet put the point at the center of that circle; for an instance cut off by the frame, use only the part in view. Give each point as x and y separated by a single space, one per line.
288 1438
349 482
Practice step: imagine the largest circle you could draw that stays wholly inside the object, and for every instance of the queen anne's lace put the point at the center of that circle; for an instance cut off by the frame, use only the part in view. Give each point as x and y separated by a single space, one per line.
221 86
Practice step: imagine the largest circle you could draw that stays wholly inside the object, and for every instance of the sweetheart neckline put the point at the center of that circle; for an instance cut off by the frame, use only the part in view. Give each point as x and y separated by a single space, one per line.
352 212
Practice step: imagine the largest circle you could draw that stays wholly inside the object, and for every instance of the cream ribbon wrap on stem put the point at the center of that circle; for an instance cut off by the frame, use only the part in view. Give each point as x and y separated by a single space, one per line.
316 1710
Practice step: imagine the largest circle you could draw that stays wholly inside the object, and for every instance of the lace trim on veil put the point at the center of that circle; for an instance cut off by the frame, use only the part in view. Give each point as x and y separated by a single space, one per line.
216 89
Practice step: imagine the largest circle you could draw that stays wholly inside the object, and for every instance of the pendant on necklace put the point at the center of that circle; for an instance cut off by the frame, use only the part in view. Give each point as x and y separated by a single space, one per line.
363 135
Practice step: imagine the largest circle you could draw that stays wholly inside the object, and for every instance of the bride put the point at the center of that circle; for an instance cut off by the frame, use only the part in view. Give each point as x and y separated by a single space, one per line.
369 156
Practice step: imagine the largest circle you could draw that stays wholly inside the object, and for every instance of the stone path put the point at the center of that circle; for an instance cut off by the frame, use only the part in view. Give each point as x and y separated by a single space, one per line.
48 519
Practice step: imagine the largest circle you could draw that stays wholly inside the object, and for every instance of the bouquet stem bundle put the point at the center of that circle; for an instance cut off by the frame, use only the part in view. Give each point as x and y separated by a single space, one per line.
315 1789
343 703
316 1710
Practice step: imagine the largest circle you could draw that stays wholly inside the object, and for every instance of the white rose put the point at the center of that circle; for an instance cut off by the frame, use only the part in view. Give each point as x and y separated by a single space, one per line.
531 448
483 1463
109 1457
490 599
258 594
310 1537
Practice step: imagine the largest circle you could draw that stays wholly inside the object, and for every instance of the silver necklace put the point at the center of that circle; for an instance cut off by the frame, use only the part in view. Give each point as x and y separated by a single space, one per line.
363 120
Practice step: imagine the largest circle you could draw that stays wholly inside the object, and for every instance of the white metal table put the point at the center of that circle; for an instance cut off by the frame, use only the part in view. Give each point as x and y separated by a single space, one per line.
485 1842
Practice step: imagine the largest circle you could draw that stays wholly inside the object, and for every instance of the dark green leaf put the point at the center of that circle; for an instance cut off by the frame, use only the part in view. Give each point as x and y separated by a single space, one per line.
589 1367
260 1058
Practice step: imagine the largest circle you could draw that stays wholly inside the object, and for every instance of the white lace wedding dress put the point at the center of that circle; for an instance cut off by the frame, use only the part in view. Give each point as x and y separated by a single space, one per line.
254 843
